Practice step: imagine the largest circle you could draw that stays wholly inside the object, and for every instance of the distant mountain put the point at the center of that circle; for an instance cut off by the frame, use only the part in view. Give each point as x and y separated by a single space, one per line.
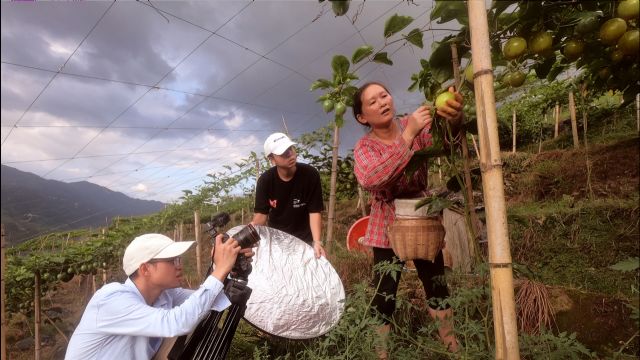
32 205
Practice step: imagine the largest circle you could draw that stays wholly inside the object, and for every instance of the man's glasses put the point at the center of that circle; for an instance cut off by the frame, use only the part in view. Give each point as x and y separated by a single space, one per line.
177 261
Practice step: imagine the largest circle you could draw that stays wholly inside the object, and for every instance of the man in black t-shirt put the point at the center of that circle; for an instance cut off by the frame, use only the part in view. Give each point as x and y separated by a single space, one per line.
290 194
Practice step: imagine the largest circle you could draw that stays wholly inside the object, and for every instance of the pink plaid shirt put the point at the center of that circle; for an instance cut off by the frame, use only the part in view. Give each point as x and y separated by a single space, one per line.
379 169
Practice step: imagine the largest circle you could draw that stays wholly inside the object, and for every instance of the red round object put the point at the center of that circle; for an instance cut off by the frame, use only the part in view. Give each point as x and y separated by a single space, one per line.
357 231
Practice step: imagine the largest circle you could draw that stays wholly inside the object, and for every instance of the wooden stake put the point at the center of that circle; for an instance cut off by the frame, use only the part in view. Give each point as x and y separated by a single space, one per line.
3 328
638 111
196 226
361 201
242 215
181 231
104 276
36 305
513 130
471 217
574 123
332 189
557 114
500 267
284 123
540 140
475 146
440 170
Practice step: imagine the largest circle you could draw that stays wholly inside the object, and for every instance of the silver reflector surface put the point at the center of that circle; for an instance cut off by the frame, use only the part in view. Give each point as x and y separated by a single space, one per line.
295 295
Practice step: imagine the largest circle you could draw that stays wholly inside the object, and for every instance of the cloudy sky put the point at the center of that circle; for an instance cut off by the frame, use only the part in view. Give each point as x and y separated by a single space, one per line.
147 101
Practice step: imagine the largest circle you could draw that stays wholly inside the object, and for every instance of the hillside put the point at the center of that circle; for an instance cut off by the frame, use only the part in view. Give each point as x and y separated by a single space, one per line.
32 205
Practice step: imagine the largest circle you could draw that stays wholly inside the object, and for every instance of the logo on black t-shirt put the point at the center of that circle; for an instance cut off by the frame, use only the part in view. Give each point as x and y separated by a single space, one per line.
297 203
273 203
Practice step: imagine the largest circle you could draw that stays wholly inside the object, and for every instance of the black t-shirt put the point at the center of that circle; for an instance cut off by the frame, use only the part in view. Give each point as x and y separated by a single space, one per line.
288 203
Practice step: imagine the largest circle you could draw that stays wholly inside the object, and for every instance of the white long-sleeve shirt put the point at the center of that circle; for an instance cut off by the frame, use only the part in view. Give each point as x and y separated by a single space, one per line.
118 323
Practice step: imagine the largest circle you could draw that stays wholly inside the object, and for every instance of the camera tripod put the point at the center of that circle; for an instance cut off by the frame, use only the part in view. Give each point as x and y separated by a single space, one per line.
208 340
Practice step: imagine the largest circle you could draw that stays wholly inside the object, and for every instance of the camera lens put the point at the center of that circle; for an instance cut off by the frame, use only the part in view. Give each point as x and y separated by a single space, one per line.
247 237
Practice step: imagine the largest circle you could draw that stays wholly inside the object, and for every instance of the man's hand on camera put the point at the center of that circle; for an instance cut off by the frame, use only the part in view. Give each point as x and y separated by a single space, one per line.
224 257
318 249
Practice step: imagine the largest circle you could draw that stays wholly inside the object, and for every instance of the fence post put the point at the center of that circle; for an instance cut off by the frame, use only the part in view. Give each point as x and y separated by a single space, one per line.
557 113
513 128
36 305
3 329
574 123
197 228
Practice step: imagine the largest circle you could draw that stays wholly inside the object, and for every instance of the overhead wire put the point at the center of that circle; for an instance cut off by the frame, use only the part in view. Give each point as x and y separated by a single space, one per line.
56 74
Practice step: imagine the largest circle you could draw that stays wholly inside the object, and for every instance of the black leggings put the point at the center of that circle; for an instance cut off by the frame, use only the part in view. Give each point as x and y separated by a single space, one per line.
430 273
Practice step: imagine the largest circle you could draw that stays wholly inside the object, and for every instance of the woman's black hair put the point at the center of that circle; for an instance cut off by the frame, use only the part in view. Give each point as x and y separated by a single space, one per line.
357 99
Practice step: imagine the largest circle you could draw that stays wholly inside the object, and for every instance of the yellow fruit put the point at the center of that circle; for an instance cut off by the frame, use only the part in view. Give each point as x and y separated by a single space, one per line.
629 9
612 30
441 100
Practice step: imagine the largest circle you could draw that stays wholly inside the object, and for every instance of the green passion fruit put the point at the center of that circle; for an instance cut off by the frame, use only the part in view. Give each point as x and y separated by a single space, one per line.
468 73
573 49
540 43
341 108
515 78
629 42
514 48
612 30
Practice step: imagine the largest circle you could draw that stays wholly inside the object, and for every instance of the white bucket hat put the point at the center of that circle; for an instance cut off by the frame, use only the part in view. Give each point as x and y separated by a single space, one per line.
277 143
151 246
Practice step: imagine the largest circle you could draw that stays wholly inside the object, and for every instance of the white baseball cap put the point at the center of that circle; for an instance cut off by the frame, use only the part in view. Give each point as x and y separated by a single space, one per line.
151 246
277 143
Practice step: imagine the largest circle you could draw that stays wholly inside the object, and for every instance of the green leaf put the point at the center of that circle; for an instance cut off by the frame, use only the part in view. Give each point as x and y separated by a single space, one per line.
630 264
435 204
413 86
340 65
415 37
320 84
382 58
396 23
440 60
445 11
361 53
542 69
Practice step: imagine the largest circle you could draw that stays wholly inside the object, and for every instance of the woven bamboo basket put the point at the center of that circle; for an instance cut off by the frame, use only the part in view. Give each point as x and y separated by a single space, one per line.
416 238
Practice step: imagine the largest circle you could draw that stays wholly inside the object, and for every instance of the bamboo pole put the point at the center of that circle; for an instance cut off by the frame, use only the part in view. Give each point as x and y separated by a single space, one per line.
257 174
196 225
574 123
3 328
284 123
242 215
332 191
513 130
181 231
500 267
557 115
36 305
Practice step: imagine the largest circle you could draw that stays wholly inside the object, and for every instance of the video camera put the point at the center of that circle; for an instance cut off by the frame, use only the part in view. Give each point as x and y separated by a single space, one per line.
247 237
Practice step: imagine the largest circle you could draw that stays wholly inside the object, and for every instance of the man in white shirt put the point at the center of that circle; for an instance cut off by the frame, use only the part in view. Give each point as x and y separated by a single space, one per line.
130 320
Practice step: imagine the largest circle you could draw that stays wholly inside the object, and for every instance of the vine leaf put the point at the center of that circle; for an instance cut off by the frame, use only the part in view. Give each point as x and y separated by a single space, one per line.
361 53
396 23
415 37
382 58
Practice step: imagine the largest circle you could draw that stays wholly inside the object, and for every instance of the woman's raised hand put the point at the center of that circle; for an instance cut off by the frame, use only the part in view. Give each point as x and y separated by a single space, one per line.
417 121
